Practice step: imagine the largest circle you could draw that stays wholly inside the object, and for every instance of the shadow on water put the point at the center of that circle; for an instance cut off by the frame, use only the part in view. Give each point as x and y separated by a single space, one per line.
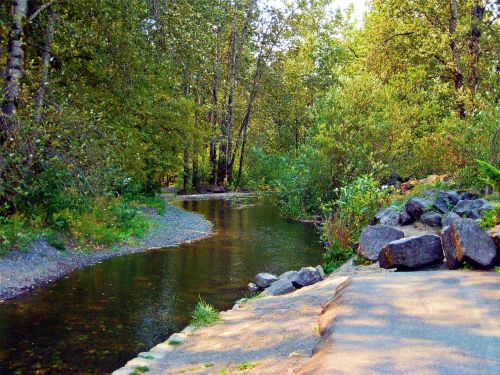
97 318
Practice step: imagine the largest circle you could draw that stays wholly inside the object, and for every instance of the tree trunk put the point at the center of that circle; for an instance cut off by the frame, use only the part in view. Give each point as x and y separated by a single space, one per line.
44 71
223 145
195 181
477 14
185 180
15 63
230 103
457 75
215 112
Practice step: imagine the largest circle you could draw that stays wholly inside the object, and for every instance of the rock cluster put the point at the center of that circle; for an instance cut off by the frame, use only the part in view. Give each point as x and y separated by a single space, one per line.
287 282
430 212
461 239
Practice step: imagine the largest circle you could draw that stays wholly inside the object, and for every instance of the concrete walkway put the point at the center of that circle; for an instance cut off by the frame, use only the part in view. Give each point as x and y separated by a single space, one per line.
445 322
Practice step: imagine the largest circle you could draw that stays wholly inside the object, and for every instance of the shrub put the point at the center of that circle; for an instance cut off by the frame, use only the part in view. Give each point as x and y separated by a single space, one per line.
491 174
491 218
346 216
204 314
16 233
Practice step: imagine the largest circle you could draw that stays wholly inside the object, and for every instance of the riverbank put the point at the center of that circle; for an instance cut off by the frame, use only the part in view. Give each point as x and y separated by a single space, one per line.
23 271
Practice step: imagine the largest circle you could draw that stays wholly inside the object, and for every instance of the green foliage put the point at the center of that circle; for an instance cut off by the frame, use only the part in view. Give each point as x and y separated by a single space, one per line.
16 233
204 315
246 366
491 174
335 255
355 207
56 242
139 370
491 218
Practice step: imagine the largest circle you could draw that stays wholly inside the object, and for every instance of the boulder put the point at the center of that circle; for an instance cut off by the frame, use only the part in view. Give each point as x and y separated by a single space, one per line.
287 275
465 240
471 208
405 218
282 286
485 207
416 207
306 276
386 216
252 288
495 236
321 272
431 218
449 218
412 252
468 196
446 201
263 280
373 239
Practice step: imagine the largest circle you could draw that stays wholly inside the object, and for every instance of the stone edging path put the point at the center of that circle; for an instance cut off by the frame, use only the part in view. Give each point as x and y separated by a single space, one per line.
23 271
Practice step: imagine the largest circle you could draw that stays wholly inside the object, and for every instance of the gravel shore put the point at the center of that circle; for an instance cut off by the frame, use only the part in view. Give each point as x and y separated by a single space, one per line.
22 271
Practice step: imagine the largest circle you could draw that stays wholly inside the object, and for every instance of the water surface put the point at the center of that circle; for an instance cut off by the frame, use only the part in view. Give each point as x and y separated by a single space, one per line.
98 318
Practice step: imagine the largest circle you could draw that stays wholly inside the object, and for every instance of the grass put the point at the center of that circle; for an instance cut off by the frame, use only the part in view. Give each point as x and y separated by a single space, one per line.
140 370
157 203
175 342
146 356
16 232
252 297
246 366
204 315
89 225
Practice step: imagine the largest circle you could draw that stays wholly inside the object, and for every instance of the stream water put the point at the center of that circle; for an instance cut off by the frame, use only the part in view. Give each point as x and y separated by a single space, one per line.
97 318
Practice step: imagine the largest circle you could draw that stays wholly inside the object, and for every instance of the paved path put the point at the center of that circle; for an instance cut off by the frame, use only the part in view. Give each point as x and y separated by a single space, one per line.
445 322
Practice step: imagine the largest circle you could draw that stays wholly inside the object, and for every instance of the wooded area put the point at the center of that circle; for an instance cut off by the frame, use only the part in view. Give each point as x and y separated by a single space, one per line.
108 99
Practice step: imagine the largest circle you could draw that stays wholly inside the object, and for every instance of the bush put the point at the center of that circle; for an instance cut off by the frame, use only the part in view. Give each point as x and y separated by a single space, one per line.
204 315
491 218
16 233
491 174
346 216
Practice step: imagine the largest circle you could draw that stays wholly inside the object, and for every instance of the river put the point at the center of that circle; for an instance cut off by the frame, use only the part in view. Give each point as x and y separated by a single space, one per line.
96 319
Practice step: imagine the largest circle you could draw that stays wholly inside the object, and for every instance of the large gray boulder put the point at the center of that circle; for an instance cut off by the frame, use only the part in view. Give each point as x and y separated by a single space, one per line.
465 240
287 275
386 216
306 276
373 239
282 286
405 218
471 209
416 207
412 252
321 271
431 218
449 218
263 280
466 195
446 201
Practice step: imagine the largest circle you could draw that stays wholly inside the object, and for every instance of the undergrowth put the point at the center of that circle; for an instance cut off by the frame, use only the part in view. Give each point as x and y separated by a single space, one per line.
84 223
204 314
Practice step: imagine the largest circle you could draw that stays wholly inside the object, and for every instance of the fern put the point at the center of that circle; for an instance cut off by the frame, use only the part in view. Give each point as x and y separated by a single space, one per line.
491 174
